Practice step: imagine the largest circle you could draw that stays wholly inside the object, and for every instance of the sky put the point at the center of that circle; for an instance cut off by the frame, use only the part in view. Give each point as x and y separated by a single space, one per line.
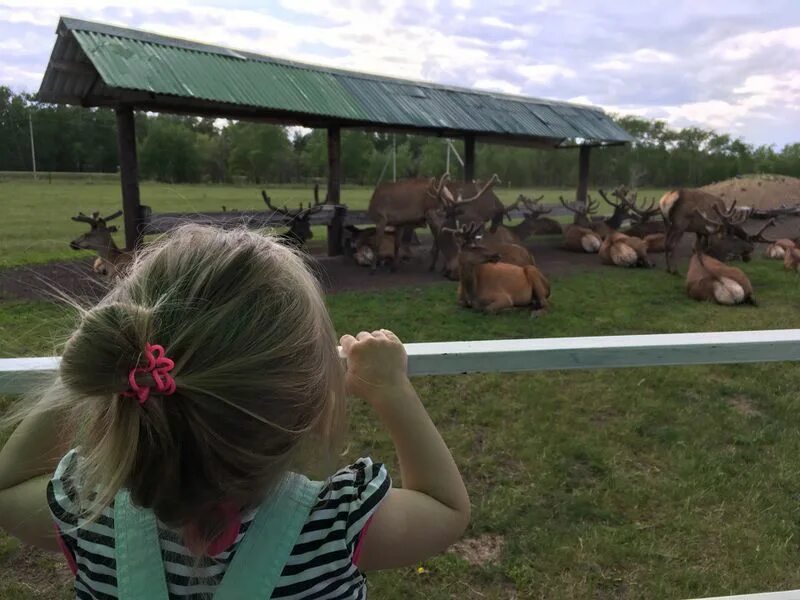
731 66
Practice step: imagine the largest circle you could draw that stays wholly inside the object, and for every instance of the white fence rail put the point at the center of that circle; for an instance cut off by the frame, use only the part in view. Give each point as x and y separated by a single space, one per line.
18 375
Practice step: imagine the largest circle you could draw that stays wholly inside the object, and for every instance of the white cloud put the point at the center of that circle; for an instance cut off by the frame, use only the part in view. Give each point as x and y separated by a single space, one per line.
496 22
544 74
497 85
515 44
746 45
627 61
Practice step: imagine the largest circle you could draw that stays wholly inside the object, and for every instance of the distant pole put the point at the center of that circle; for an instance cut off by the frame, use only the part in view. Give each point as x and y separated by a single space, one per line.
447 167
394 157
33 148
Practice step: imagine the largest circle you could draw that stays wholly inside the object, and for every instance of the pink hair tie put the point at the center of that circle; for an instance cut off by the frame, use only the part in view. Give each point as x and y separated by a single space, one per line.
158 367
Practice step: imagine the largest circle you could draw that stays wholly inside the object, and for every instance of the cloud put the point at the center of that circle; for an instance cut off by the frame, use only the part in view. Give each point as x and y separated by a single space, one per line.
731 66
544 74
497 85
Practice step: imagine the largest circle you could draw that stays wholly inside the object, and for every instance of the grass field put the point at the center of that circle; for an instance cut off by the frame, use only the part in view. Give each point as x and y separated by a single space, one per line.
611 484
630 483
37 228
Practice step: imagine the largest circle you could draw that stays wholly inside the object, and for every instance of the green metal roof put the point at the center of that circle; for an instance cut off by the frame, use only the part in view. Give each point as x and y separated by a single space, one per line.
95 64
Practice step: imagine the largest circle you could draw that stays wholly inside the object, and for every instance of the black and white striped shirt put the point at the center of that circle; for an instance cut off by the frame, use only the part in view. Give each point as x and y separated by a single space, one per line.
320 566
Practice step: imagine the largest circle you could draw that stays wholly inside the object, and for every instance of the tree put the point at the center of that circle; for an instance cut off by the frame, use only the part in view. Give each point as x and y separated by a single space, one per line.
169 152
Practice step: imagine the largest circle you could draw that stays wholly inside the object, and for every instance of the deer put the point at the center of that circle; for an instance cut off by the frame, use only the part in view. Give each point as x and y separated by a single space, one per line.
299 220
580 237
645 222
682 210
409 203
489 285
621 250
791 259
365 244
778 249
710 280
111 261
482 204
532 222
727 241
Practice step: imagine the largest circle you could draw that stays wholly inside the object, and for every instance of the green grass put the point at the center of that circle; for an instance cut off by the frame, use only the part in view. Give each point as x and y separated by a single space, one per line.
631 483
36 225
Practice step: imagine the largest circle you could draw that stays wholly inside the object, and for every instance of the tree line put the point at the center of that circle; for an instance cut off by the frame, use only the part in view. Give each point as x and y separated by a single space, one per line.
181 149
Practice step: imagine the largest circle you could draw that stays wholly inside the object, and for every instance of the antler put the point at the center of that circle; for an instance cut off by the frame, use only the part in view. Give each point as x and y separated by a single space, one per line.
112 216
732 216
494 179
533 206
622 201
709 220
759 237
82 218
570 208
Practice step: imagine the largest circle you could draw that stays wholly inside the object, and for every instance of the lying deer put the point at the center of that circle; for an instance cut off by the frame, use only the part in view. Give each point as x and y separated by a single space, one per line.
710 280
111 261
621 250
481 204
299 221
532 222
726 241
579 237
489 285
778 249
451 240
644 218
365 246
791 259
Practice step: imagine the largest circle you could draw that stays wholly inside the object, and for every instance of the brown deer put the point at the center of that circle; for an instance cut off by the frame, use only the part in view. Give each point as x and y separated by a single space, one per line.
791 259
682 211
299 221
645 218
111 262
451 240
710 280
656 242
725 243
580 237
621 250
777 250
480 205
489 285
532 222
365 245
408 203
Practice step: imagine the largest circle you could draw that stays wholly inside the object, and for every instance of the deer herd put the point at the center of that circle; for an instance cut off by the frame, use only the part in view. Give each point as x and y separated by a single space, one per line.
475 245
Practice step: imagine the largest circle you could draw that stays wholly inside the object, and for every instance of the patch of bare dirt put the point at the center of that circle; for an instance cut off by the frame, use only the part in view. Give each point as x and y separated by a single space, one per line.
758 191
42 574
482 550
744 406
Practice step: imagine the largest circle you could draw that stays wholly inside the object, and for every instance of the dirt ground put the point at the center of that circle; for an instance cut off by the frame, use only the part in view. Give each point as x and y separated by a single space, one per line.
758 191
76 279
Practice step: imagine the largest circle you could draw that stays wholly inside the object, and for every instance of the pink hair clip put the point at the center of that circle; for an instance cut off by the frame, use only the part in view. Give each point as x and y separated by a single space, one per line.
158 367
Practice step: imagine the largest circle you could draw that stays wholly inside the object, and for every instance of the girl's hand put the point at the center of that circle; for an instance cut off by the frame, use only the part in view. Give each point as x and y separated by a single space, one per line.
377 364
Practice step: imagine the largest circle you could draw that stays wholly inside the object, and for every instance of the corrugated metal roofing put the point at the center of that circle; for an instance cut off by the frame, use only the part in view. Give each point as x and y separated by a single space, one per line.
115 60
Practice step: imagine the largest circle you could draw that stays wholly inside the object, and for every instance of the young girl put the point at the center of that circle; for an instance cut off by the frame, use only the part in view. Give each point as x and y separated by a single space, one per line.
193 394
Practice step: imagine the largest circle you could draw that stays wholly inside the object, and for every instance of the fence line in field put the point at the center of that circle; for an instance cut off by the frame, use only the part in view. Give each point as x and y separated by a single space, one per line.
18 375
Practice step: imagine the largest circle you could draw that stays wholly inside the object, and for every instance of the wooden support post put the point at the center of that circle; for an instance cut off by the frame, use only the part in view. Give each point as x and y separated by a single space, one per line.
583 174
336 227
129 176
469 158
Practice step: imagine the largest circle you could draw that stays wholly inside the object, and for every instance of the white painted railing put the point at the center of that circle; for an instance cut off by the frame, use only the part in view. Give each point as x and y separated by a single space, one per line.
18 375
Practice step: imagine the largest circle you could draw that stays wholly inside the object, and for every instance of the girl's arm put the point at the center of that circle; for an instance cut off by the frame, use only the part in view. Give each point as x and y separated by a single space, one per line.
432 509
27 462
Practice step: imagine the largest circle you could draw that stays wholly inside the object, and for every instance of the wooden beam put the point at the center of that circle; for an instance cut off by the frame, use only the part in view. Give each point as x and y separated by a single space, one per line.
129 176
79 68
336 227
469 157
583 174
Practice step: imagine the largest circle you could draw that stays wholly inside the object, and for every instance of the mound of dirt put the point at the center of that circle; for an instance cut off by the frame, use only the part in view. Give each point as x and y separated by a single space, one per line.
758 191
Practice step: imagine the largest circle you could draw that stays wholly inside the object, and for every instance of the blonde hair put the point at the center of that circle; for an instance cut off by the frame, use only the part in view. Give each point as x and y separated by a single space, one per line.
256 369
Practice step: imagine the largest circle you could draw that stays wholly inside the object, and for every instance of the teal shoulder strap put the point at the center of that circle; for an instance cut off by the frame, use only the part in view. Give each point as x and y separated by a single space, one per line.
265 549
140 571
256 566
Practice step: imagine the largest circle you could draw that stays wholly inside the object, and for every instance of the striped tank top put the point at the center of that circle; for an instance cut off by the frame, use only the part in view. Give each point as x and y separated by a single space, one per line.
322 565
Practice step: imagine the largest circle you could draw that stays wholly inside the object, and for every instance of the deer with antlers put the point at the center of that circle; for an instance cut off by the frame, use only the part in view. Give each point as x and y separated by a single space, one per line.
532 222
489 285
727 240
480 205
580 237
409 203
111 261
299 221
451 241
620 250
683 212
711 280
